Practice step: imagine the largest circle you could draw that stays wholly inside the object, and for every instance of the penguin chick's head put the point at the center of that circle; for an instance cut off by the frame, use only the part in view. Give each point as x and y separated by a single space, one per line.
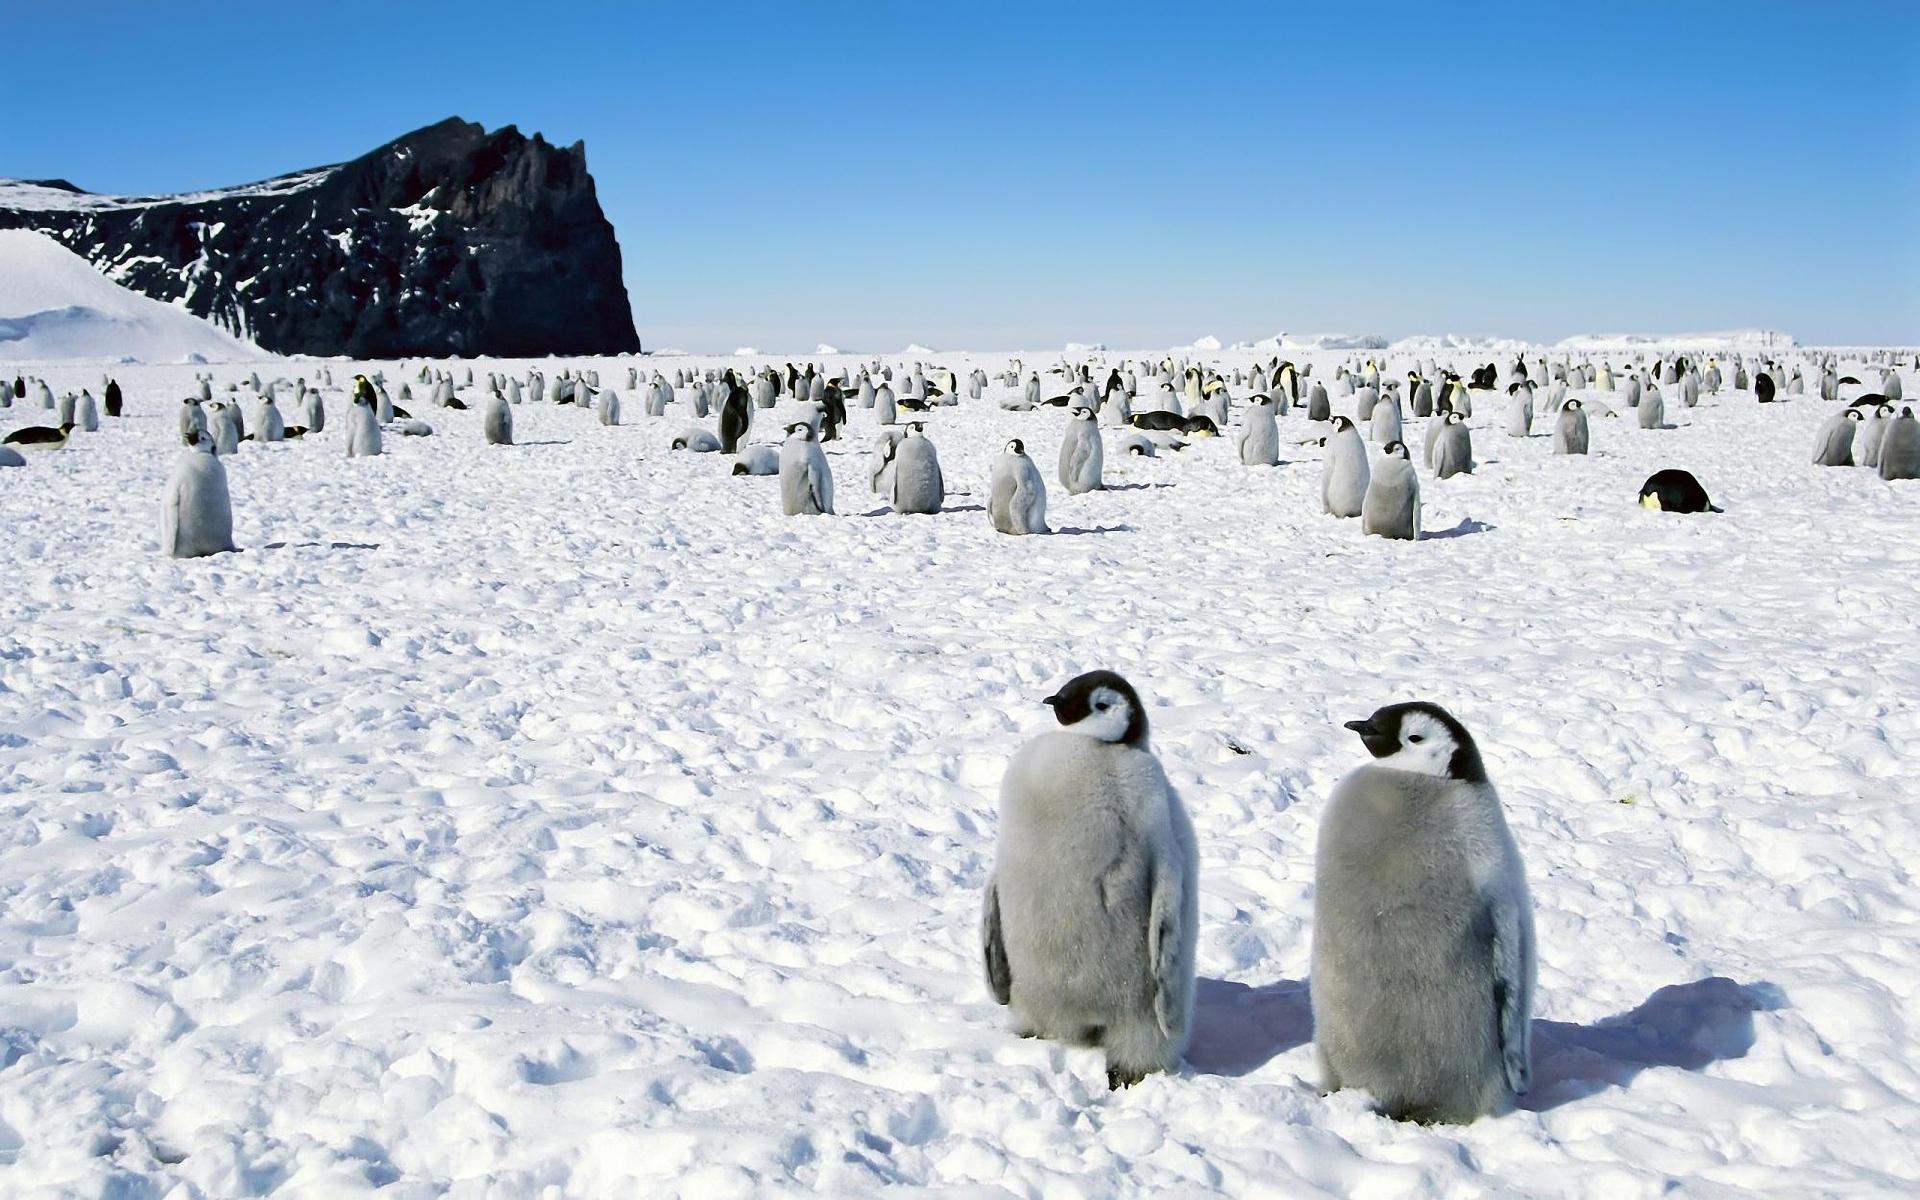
803 428
1394 450
1341 424
1422 738
1016 446
1102 705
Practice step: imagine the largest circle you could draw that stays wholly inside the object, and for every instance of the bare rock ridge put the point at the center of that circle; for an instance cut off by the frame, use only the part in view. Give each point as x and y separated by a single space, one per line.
448 241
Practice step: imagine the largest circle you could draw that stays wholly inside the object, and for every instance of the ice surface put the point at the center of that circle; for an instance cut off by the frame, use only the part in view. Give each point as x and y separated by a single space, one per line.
561 816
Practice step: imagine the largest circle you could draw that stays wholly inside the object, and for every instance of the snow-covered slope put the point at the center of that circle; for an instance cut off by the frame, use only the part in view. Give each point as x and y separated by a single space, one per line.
54 305
1724 341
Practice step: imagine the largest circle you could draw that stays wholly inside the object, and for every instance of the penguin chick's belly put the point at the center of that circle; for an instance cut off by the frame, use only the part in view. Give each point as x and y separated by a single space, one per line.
1079 959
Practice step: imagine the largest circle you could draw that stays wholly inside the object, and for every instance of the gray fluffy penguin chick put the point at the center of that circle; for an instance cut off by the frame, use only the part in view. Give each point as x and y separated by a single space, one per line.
1343 470
1136 444
363 432
695 440
1423 944
1900 447
223 428
268 426
1386 424
497 421
1834 446
880 463
885 410
1872 429
757 460
917 484
607 407
193 419
1092 911
196 517
86 414
1520 412
1391 508
1570 428
806 484
316 412
1652 411
1017 496
1081 454
1259 434
1453 448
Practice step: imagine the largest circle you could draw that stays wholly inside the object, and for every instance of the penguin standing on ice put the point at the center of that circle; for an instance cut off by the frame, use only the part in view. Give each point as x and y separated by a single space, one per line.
806 483
1652 413
1391 507
1017 496
196 516
363 432
112 398
880 462
1343 470
1519 410
497 421
1081 454
193 419
1259 434
1570 429
1423 945
734 415
1834 446
1900 447
917 484
1453 448
1092 911
268 425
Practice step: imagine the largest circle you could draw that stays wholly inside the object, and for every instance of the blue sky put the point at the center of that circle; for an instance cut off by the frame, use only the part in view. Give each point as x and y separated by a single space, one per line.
1024 175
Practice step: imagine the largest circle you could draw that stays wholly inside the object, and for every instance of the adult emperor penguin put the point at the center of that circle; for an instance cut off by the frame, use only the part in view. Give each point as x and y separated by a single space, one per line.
196 518
363 432
1092 912
1081 454
917 484
497 421
1675 491
734 415
1453 448
1259 434
1423 951
1900 447
1017 496
806 484
1570 429
1391 507
1343 471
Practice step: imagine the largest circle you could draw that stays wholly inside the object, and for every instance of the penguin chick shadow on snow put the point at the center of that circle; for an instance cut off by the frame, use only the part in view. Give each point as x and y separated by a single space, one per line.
1685 1025
1239 1028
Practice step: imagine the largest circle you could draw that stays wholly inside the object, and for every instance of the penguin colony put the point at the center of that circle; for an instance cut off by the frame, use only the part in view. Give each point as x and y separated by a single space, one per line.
1423 942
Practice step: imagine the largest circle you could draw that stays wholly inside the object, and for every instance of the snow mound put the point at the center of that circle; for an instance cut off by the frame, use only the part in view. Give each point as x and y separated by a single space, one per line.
1208 342
1330 341
1085 347
54 305
823 348
745 351
917 348
1730 339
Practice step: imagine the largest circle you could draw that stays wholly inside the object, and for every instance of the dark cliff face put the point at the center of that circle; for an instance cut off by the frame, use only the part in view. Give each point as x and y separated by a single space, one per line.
450 240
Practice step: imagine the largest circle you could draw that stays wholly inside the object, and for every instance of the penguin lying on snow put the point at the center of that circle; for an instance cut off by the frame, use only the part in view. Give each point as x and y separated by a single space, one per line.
1675 491
39 437
1092 911
695 439
1423 947
757 460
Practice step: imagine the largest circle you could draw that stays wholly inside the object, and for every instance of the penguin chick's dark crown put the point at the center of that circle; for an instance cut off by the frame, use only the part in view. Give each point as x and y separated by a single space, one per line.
1381 734
1073 703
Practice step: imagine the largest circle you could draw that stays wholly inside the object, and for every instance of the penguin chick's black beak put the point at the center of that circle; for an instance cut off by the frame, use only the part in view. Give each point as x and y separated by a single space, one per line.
1363 728
1378 744
1050 701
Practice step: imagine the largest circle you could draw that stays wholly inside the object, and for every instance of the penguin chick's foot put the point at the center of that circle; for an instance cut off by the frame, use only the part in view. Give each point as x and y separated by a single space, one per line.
1118 1078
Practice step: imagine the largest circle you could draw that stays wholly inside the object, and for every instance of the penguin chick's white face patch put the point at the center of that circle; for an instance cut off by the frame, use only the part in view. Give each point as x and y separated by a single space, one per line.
1108 715
1426 747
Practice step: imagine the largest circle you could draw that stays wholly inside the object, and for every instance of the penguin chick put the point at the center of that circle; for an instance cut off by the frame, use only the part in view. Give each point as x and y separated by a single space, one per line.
1092 911
1423 950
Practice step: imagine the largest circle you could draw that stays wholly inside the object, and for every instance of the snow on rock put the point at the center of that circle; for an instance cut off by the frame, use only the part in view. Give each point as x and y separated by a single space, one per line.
54 305
561 820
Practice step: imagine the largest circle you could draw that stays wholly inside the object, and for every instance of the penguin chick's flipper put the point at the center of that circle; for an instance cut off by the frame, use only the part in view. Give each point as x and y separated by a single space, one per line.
1510 985
1165 947
999 974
